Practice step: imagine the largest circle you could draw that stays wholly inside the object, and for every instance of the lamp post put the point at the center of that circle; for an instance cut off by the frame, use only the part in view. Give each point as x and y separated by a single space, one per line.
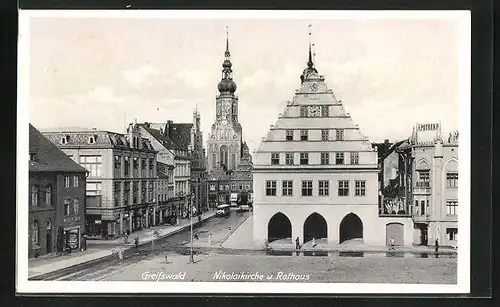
191 259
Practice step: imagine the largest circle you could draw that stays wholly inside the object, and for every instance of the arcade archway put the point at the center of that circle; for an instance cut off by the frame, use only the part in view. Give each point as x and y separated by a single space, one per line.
315 227
279 227
351 227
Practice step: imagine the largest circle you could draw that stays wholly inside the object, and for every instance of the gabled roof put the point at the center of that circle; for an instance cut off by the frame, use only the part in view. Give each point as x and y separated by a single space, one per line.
47 157
161 138
180 134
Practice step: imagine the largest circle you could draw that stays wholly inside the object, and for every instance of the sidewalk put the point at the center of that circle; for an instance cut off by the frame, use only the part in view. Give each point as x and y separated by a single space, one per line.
41 266
145 235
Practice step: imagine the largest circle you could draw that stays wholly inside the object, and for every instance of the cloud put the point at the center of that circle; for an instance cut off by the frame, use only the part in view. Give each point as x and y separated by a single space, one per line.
137 76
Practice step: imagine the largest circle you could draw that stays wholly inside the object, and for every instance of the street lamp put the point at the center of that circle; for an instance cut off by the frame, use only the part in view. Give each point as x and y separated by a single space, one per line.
191 259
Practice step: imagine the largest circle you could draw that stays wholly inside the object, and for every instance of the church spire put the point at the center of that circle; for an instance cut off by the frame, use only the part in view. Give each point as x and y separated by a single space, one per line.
310 62
227 54
227 84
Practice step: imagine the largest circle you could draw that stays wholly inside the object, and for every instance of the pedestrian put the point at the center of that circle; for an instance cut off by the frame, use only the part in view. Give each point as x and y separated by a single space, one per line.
84 242
297 243
314 242
136 242
120 254
436 246
392 244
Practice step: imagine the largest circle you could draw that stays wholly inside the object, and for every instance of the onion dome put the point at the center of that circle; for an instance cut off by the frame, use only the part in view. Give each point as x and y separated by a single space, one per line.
227 64
227 86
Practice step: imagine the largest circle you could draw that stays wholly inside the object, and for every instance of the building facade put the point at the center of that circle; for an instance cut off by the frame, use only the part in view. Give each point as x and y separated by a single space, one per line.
434 160
57 198
198 165
316 176
229 162
181 145
121 186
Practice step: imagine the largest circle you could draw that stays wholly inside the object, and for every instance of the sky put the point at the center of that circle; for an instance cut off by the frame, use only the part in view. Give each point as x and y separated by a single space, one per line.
105 72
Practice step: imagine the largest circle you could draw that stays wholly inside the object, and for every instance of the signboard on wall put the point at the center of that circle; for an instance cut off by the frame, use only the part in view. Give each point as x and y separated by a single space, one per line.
428 127
73 238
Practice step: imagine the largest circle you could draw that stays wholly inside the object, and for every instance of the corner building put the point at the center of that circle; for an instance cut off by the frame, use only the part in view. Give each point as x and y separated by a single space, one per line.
316 176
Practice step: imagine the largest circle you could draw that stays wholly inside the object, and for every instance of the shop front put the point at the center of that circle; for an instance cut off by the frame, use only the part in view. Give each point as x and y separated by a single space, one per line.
72 236
73 228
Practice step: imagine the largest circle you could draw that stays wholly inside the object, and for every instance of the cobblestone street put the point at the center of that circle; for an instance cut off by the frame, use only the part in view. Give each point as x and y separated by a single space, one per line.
373 269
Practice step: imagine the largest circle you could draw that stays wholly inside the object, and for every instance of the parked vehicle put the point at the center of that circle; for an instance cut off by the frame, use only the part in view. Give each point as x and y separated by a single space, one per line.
223 210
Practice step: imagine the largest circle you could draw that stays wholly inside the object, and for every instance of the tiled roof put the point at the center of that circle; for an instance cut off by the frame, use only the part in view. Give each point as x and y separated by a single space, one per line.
161 138
180 134
101 139
178 137
47 157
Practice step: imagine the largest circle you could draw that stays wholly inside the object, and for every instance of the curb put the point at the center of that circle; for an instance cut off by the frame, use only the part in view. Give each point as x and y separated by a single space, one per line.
237 227
68 270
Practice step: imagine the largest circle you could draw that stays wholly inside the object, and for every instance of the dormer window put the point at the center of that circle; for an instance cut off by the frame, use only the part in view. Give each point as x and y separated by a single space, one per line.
91 139
64 139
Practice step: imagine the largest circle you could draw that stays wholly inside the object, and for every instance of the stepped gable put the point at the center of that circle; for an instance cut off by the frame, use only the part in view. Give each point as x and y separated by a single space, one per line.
314 106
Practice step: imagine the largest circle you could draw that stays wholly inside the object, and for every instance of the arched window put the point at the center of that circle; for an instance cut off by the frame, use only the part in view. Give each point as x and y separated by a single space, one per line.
223 155
34 195
35 232
233 161
48 195
214 160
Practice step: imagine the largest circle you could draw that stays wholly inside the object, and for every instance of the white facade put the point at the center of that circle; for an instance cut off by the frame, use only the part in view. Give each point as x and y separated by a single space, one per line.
316 160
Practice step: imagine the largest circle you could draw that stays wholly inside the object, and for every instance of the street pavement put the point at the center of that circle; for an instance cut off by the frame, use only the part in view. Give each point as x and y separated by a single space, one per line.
335 269
177 242
97 249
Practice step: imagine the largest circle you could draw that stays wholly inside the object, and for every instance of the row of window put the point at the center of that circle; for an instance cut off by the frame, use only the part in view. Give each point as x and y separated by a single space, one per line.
67 182
90 140
71 209
323 188
147 167
234 186
424 179
35 195
169 195
304 158
325 135
423 207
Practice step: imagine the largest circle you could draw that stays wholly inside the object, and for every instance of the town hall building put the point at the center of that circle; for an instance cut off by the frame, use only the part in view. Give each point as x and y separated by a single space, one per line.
315 175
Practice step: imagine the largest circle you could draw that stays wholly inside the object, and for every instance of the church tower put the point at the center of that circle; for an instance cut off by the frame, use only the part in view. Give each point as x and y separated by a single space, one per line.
225 139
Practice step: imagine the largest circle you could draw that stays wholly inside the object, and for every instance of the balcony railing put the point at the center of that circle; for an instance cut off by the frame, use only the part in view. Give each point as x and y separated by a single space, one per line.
422 184
421 218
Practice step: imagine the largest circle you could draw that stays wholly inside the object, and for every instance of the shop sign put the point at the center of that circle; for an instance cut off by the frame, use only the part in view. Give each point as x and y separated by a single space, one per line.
428 127
72 237
72 219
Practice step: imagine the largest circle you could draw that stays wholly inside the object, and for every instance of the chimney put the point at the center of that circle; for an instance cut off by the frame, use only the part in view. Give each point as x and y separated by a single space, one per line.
168 126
